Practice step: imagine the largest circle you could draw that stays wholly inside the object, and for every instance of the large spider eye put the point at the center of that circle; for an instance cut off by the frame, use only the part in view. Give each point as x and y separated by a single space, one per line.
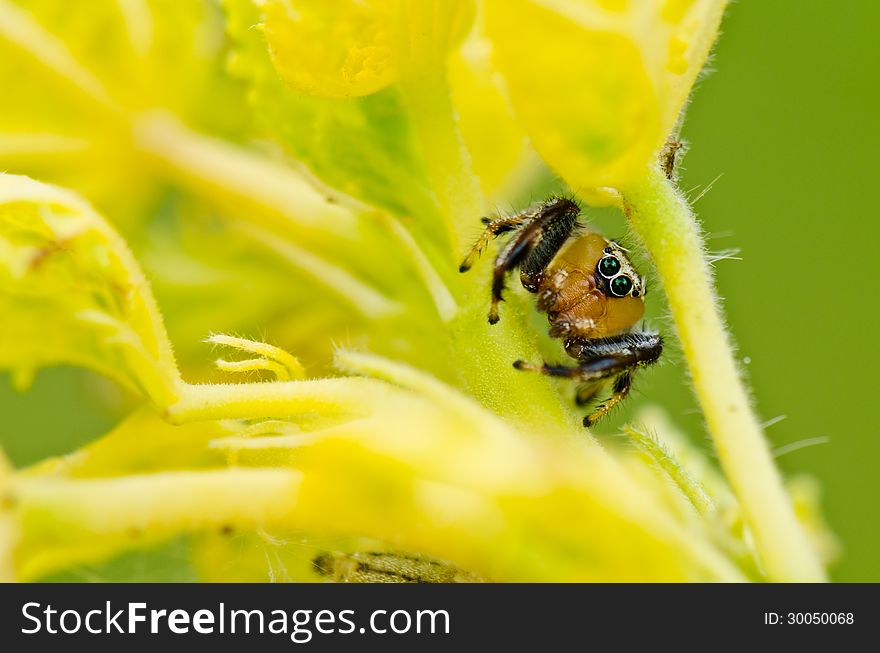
609 266
620 286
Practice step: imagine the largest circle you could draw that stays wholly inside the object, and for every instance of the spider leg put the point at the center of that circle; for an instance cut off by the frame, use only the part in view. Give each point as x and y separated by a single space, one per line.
615 354
541 233
565 372
622 386
601 359
618 356
494 228
558 221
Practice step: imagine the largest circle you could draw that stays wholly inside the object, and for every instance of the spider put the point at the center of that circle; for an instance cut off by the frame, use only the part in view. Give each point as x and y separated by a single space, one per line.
590 291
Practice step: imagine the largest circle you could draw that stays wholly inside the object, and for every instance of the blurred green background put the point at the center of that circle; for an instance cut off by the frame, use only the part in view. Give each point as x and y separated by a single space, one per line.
788 121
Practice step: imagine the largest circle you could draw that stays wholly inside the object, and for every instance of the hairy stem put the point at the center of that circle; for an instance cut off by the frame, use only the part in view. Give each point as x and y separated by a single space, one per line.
690 487
664 221
482 354
278 399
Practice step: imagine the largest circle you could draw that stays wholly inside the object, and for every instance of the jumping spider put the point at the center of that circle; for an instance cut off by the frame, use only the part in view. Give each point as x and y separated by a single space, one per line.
589 289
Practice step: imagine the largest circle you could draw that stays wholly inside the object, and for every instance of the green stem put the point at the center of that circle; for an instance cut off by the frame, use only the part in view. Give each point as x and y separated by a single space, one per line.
212 166
689 486
664 221
482 354
446 158
444 302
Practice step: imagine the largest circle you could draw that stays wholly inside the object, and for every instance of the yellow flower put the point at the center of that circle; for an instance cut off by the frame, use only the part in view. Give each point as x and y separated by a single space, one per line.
330 49
400 457
349 48
399 425
600 84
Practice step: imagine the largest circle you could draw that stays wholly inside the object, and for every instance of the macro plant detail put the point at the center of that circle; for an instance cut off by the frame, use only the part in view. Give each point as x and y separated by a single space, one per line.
590 291
316 171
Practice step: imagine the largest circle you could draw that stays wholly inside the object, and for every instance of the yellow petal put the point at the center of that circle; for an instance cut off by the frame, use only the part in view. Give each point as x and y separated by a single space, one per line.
598 84
143 443
337 49
496 142
68 521
71 292
352 48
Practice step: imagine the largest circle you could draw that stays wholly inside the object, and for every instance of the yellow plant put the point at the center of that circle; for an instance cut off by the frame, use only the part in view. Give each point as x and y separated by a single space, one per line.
317 173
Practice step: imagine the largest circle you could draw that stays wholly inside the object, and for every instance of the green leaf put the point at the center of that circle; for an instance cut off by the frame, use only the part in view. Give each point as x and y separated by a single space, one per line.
362 146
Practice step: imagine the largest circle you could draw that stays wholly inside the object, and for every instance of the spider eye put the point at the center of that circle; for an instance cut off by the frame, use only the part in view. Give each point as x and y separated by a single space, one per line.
609 266
621 286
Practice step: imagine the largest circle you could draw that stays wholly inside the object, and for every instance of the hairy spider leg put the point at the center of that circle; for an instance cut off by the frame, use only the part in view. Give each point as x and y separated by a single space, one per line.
567 371
601 359
622 385
494 228
542 233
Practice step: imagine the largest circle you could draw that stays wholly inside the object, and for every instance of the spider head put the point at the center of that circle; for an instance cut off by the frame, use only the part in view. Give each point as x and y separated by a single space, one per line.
599 287
623 287
615 274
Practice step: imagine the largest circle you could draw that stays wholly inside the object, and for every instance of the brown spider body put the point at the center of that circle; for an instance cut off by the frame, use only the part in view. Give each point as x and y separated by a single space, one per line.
576 304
